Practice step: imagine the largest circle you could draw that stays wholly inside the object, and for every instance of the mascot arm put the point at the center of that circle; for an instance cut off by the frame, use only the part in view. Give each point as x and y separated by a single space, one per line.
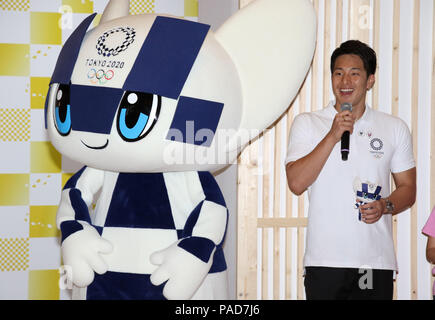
81 242
186 263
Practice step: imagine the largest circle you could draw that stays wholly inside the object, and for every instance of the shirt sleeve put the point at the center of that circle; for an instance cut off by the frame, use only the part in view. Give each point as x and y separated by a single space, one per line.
429 227
300 143
403 157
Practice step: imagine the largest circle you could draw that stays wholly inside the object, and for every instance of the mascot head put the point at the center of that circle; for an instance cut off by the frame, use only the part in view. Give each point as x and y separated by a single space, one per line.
155 93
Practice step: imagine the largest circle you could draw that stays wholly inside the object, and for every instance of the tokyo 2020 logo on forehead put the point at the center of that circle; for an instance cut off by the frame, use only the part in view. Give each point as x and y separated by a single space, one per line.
115 41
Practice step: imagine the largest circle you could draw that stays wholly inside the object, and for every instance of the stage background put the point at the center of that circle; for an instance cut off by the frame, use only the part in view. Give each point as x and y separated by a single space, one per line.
401 32
32 173
271 226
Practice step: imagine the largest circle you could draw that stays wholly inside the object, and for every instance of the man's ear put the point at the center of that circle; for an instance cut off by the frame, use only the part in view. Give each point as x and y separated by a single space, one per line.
271 43
371 81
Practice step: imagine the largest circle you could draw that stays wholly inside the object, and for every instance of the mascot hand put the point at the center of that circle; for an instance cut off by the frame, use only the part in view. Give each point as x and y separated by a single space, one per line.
81 254
183 270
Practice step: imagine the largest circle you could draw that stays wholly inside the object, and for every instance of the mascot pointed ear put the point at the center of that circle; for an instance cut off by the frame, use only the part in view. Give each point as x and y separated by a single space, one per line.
272 45
115 9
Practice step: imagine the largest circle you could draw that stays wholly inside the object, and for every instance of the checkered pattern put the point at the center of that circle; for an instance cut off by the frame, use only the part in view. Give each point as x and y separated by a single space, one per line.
14 124
200 222
142 6
32 173
129 35
14 254
15 5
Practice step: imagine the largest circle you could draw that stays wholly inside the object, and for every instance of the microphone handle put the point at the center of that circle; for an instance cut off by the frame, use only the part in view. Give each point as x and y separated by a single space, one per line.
345 145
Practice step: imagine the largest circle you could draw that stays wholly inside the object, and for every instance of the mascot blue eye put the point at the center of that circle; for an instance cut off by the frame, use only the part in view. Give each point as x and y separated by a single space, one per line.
137 115
62 110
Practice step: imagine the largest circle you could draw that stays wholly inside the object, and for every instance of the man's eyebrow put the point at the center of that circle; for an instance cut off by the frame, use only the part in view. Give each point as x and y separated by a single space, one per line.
354 68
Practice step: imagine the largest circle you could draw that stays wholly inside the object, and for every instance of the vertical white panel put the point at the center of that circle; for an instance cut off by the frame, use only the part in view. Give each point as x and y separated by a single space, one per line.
308 86
283 179
259 262
282 258
332 45
425 92
405 60
294 265
270 170
405 101
320 53
345 35
270 264
385 55
294 197
369 97
372 8
260 214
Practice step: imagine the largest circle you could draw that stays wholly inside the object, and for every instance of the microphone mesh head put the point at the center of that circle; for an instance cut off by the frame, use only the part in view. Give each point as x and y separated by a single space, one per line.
346 106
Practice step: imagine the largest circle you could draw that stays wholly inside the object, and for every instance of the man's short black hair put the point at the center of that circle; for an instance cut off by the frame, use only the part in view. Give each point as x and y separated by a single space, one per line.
367 54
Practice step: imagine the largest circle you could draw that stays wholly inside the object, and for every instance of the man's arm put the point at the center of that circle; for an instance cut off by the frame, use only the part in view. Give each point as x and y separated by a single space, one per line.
402 198
303 172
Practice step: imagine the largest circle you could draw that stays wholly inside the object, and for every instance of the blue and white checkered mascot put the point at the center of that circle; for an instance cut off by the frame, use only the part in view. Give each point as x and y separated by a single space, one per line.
365 192
151 106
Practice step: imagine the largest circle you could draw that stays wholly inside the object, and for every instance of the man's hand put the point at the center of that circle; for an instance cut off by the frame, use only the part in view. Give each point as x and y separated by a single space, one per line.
373 211
343 121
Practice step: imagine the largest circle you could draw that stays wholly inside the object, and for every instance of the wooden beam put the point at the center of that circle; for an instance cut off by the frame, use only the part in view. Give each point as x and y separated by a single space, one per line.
326 53
414 108
301 215
266 165
288 214
360 20
395 96
247 186
315 104
376 36
276 206
339 23
246 221
282 222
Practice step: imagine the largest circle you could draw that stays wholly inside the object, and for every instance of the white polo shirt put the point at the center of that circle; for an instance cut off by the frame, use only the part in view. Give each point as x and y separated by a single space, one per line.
379 145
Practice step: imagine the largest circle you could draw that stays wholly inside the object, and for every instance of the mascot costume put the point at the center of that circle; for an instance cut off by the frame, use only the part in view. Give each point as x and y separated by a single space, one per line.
152 105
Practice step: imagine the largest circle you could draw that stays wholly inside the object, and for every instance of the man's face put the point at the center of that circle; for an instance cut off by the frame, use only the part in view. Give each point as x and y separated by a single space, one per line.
350 81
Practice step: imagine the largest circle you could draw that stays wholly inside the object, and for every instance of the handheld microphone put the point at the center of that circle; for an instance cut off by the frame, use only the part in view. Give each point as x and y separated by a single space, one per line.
345 137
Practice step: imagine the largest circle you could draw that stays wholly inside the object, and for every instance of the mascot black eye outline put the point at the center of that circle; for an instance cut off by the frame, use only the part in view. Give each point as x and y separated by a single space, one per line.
137 115
62 110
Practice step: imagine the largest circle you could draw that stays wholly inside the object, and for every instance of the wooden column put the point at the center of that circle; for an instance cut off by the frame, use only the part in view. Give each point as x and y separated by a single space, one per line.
247 218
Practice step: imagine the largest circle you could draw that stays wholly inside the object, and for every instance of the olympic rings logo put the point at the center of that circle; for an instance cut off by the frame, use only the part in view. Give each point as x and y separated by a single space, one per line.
100 76
376 144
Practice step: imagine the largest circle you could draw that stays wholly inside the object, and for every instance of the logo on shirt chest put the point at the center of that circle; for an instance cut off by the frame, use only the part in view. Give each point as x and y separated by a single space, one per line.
376 145
376 148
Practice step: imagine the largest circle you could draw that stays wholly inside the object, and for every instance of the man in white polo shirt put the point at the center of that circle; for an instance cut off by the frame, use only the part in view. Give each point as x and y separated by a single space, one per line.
349 239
